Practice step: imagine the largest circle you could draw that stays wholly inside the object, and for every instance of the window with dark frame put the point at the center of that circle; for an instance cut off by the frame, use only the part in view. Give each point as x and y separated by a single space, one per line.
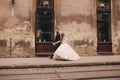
44 21
103 20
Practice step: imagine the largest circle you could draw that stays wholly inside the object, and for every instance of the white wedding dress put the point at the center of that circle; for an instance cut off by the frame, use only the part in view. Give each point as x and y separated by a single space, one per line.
65 52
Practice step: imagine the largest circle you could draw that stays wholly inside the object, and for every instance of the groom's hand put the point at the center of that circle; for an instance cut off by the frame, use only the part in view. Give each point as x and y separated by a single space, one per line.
53 44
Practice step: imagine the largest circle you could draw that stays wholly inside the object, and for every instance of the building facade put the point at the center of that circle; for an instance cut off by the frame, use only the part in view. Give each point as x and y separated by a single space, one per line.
91 26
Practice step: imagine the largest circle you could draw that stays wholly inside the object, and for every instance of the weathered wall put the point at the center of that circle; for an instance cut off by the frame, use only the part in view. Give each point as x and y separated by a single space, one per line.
5 11
116 26
75 19
16 34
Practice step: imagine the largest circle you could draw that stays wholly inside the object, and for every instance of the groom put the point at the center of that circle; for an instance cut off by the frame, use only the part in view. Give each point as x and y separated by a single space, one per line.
56 42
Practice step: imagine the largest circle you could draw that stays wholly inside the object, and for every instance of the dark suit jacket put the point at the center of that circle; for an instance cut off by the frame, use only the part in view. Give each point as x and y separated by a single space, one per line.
57 38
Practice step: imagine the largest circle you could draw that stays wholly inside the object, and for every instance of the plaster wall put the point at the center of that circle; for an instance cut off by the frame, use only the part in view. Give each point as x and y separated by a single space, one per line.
16 30
75 19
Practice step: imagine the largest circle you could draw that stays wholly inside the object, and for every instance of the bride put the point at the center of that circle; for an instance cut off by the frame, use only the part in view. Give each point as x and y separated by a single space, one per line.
65 51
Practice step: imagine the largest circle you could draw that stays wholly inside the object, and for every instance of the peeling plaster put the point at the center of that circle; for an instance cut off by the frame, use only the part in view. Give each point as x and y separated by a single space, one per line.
74 18
11 22
77 31
18 38
80 34
116 39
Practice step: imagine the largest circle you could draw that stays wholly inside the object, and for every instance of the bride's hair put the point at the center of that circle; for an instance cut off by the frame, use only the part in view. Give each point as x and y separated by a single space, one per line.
62 36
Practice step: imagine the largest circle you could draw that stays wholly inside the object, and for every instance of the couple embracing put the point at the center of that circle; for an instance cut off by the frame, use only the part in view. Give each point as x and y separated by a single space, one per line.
62 50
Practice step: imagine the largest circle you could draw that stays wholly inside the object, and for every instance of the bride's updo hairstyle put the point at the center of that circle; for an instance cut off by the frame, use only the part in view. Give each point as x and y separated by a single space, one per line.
62 36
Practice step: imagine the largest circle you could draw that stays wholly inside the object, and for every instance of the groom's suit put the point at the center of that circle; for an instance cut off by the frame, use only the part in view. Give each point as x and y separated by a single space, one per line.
57 38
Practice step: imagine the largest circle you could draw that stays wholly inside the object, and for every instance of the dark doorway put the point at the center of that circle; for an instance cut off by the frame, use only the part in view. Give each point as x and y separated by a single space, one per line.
44 27
104 43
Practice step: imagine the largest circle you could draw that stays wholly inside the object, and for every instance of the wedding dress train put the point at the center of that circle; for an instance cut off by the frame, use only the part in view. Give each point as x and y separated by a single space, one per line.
65 52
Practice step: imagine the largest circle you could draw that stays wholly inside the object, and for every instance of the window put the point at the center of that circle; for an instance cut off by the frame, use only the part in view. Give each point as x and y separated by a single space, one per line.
44 21
44 27
103 20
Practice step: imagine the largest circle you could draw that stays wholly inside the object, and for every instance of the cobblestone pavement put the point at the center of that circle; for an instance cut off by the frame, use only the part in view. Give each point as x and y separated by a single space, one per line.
110 72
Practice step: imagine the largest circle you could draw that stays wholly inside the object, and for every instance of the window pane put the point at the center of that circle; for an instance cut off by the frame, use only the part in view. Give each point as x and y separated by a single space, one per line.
103 20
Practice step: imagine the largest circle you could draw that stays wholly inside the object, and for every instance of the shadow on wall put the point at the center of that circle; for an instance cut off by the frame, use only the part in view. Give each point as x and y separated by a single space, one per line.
3 43
22 44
